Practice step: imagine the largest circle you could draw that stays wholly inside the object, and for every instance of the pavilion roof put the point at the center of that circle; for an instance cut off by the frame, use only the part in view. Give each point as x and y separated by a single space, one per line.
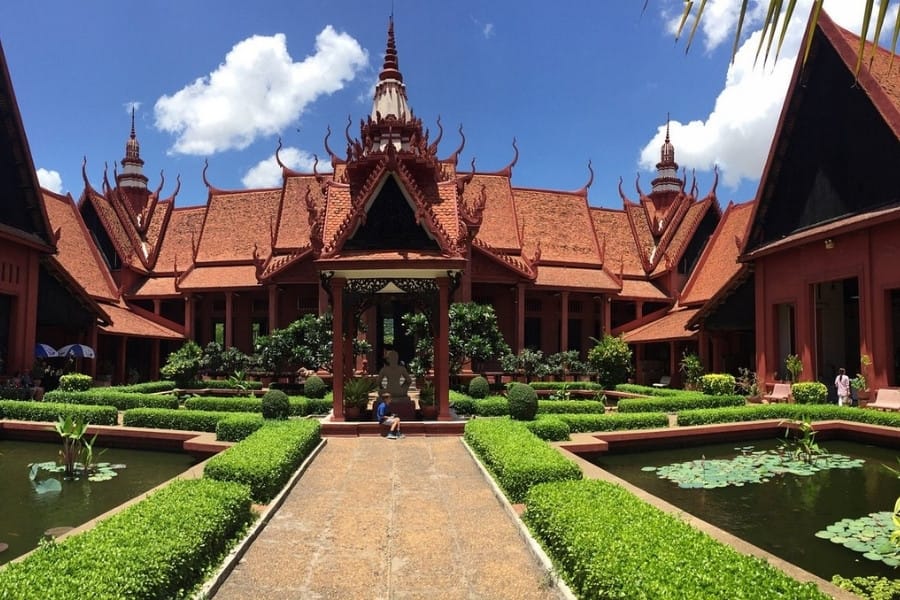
670 327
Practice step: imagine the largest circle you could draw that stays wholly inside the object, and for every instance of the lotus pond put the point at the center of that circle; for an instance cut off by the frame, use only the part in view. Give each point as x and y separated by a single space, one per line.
35 499
830 516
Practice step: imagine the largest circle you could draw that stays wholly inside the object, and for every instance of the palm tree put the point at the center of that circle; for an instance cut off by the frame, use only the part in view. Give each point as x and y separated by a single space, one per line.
778 15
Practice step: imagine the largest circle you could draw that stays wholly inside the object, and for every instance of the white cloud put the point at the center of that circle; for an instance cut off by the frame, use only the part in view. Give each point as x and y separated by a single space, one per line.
257 91
50 180
738 132
267 173
488 30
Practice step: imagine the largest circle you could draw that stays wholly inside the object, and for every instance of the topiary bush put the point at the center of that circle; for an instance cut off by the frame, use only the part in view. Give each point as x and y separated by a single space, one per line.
275 405
523 401
809 392
75 382
550 428
314 387
479 387
237 427
717 384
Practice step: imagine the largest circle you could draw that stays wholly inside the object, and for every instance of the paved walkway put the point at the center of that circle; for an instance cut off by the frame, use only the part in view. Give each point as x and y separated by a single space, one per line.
380 519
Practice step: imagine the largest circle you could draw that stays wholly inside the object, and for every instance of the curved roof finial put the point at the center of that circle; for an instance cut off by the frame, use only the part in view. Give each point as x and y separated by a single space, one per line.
583 191
205 180
347 130
637 186
87 184
462 144
715 181
162 182
621 192
277 157
177 187
433 147
316 165
508 168
334 158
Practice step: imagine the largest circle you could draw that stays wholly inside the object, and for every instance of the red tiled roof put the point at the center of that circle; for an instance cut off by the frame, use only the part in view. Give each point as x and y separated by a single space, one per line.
617 241
176 243
677 242
643 237
575 278
114 228
562 223
641 290
124 321
236 222
77 253
719 261
293 221
667 328
154 231
337 206
156 287
219 277
499 227
391 259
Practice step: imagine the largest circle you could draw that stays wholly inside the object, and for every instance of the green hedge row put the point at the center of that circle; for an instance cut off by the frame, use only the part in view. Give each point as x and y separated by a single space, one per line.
148 387
647 390
684 401
570 407
497 406
516 457
113 397
223 384
185 420
609 544
813 412
161 547
614 421
43 411
567 385
300 406
266 459
238 426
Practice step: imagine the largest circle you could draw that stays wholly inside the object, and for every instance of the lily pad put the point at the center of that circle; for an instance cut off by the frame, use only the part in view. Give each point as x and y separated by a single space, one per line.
869 536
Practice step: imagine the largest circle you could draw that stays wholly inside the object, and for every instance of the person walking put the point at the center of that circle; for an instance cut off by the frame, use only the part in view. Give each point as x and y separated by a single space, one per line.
842 385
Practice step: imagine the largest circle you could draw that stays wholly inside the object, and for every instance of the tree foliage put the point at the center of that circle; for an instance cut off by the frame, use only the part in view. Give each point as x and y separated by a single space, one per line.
611 358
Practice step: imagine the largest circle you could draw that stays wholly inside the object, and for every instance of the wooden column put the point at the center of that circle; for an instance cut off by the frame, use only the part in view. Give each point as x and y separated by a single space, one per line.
157 303
639 309
90 366
564 321
337 366
442 351
673 361
607 314
229 314
520 318
189 317
273 308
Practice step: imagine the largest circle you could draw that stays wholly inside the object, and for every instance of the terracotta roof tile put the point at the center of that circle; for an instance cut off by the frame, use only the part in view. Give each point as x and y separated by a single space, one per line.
680 237
293 222
154 231
77 252
235 276
114 228
125 321
176 243
671 326
156 287
337 207
638 289
561 222
617 240
446 212
236 222
499 227
576 278
719 261
637 219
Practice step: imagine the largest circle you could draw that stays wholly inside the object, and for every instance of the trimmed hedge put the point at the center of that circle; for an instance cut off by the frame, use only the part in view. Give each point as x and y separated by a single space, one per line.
646 390
682 401
479 387
717 384
113 397
813 412
75 382
275 405
517 458
51 412
236 427
223 384
148 387
314 387
549 428
161 547
498 406
300 406
185 420
614 421
609 544
570 407
266 459
522 400
567 385
809 392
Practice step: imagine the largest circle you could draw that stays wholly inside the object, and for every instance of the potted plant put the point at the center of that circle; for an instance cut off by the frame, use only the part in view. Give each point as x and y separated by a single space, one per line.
356 396
860 384
794 366
692 368
427 407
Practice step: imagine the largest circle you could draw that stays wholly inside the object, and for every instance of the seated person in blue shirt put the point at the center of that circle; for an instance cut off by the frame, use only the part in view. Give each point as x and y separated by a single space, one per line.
389 419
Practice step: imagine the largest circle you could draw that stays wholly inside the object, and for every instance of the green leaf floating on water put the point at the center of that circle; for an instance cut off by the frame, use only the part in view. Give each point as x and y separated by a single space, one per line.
749 467
869 535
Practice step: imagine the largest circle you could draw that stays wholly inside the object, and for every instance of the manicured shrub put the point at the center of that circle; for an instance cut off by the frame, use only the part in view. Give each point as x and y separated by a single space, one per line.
184 420
717 384
809 392
183 365
14 392
871 588
479 387
549 428
614 421
679 402
220 404
148 387
75 382
43 411
813 412
516 457
161 547
607 543
113 397
492 406
267 458
570 407
237 427
275 405
567 385
302 406
523 402
223 384
646 390
314 387
611 359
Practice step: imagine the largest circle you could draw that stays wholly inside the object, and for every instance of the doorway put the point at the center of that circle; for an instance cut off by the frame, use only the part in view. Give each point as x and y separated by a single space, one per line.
837 328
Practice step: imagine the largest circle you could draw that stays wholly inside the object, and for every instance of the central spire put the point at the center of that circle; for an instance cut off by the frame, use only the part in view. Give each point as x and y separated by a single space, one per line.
667 169
390 92
132 165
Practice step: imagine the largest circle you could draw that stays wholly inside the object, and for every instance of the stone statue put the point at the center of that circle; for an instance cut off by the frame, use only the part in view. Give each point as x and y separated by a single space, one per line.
395 379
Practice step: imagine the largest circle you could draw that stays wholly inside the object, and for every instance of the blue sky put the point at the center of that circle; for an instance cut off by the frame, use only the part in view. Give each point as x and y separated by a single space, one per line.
571 81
